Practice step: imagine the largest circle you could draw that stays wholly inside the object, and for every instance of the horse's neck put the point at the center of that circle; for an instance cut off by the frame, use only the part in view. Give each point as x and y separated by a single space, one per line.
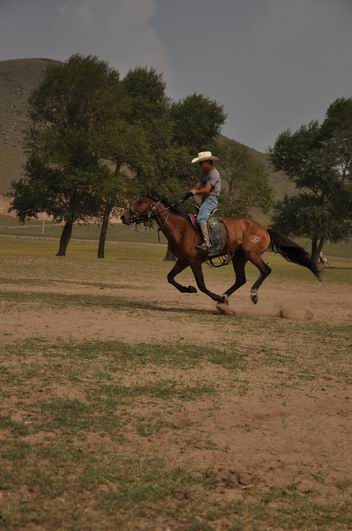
172 225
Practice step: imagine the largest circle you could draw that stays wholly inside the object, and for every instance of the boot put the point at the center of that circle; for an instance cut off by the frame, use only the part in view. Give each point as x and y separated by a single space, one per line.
205 246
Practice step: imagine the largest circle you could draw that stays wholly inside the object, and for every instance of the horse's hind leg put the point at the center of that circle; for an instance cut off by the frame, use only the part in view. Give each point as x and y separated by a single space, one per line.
198 275
239 261
264 270
178 267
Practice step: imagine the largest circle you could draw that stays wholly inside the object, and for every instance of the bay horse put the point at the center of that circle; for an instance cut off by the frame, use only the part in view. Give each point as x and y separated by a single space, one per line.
246 241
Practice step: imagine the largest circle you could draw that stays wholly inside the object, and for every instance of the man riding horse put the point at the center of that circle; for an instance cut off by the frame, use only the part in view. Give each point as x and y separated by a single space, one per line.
208 190
245 240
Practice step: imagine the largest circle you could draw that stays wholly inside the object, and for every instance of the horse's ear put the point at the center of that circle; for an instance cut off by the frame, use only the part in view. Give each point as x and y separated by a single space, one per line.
149 193
153 195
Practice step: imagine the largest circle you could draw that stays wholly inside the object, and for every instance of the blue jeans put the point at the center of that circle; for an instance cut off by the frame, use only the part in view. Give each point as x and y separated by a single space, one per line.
207 207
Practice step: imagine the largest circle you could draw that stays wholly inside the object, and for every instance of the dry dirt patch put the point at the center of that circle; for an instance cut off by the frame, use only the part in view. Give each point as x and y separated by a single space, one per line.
162 312
206 434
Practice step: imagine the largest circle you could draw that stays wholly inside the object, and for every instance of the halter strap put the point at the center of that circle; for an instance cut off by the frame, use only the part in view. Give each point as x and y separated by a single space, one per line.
160 228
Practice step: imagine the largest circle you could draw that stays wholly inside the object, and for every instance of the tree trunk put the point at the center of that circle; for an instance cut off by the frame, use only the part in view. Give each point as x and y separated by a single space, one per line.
314 247
317 246
106 217
169 257
320 245
104 230
65 238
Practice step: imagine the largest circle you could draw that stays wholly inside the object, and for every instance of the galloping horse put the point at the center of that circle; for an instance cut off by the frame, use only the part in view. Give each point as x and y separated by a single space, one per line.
246 241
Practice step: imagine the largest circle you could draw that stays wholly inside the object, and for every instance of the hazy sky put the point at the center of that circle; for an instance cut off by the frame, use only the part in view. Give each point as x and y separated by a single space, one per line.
273 64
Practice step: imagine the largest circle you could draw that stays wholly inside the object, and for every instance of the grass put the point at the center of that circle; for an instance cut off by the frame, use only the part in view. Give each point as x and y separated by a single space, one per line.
72 455
144 262
10 226
49 454
106 434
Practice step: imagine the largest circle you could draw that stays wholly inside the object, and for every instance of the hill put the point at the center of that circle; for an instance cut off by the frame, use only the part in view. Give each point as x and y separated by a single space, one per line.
17 80
278 180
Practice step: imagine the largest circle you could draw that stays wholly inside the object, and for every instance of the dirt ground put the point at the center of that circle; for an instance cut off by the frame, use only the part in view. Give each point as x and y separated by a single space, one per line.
281 423
160 304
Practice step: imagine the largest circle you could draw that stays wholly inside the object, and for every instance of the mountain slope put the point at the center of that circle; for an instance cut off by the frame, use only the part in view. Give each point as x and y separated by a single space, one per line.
17 80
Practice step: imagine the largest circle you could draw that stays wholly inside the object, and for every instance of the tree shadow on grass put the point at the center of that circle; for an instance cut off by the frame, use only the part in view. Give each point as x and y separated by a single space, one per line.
339 268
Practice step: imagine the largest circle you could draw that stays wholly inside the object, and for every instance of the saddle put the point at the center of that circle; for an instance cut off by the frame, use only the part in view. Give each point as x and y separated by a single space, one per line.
217 234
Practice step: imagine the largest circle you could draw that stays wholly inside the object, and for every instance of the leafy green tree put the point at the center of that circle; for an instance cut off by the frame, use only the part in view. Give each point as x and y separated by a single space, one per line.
197 122
174 131
318 159
245 180
162 165
147 90
137 142
127 153
72 112
150 111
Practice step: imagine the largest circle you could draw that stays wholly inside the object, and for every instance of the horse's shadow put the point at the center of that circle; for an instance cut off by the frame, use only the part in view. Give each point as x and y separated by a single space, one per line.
172 309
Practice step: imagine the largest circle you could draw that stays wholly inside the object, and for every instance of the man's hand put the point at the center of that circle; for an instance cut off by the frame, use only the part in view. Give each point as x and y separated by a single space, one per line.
188 195
203 190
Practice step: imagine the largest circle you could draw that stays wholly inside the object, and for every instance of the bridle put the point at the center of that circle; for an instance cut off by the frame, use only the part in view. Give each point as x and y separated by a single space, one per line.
138 217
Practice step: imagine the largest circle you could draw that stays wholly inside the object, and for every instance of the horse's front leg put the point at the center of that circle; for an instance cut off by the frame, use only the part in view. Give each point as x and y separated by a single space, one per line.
178 267
198 275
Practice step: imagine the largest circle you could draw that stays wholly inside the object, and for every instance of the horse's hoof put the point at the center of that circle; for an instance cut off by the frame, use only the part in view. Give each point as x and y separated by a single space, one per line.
191 289
254 297
224 309
224 300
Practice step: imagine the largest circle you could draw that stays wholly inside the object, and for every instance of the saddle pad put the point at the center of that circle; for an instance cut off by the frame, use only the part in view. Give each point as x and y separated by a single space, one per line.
217 234
193 219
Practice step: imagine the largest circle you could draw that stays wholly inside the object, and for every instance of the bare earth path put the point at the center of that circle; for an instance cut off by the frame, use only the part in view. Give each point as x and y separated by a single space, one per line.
160 304
222 422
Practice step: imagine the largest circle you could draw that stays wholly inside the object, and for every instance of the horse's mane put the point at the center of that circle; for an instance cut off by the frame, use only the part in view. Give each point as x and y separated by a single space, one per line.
168 203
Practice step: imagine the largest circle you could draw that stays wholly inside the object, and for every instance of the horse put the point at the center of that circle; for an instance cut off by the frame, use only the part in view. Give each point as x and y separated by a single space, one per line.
246 241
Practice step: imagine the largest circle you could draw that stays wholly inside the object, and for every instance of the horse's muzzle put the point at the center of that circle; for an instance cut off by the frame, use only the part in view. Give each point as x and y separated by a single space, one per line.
125 219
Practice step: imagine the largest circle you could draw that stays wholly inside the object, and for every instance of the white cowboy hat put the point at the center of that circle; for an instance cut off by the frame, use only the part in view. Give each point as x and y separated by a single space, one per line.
204 155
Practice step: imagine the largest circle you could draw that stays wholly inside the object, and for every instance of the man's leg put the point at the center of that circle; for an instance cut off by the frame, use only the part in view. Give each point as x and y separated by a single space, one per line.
205 234
206 208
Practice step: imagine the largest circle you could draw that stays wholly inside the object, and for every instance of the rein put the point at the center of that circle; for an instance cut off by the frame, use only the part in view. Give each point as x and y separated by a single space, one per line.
137 217
151 213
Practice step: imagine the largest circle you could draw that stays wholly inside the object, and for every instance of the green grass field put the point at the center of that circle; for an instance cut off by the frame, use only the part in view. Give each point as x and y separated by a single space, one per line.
9 226
83 246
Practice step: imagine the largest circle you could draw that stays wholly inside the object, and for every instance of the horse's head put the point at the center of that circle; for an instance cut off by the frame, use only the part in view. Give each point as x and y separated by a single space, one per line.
141 211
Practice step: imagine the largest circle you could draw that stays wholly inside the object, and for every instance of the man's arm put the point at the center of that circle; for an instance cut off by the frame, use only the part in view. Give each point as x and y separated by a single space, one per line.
202 190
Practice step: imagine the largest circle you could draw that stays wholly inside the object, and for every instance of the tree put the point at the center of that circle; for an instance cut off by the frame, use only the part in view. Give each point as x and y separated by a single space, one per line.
197 122
150 111
71 113
245 180
318 159
137 141
154 142
128 151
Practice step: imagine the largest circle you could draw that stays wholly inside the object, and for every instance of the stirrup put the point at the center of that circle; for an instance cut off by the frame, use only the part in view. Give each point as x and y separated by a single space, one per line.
203 248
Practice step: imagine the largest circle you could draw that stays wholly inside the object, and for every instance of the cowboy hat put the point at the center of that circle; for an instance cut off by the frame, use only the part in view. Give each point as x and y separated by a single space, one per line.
204 155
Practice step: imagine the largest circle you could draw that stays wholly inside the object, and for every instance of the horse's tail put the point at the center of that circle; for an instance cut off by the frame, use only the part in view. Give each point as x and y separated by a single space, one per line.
292 252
